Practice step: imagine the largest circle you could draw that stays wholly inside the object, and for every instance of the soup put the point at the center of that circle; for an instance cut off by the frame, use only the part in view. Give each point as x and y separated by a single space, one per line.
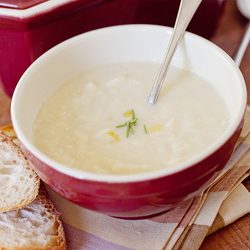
101 122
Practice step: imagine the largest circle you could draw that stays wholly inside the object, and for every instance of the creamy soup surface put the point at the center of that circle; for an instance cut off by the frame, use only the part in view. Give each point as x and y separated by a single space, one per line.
76 125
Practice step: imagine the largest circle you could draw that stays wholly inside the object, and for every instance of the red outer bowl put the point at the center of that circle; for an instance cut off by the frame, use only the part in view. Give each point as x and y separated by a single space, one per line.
137 199
139 195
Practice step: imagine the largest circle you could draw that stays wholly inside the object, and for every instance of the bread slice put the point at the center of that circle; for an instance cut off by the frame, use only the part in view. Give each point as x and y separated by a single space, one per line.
34 227
19 184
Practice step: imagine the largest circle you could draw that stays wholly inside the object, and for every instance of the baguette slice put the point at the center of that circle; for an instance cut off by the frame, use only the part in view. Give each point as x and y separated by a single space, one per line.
34 227
19 184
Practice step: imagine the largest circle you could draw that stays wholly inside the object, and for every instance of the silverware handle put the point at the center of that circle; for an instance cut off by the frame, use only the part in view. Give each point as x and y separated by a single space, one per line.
243 46
185 13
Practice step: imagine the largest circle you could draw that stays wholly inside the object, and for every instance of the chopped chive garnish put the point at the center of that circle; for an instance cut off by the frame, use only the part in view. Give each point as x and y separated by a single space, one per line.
144 126
133 115
131 130
128 126
122 125
134 121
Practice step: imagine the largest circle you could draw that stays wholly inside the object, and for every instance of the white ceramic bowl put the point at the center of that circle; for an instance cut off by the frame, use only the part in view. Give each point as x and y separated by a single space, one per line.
137 195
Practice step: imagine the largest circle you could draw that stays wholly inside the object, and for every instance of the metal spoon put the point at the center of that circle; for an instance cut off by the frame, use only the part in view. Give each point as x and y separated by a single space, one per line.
244 7
185 13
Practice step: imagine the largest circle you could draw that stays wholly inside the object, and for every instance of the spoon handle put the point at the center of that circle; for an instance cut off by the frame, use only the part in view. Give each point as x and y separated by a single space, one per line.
243 46
185 13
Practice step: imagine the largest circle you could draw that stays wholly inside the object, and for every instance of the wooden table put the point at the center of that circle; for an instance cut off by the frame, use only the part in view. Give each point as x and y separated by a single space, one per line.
228 36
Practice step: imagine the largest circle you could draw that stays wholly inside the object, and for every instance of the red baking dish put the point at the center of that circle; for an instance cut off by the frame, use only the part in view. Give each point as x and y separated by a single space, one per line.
29 28
20 4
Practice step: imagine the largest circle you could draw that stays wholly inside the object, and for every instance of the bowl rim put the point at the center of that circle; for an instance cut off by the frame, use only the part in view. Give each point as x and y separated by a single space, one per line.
138 177
44 6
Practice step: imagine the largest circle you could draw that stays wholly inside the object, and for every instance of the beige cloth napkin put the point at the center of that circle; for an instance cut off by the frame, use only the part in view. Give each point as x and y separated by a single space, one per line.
184 227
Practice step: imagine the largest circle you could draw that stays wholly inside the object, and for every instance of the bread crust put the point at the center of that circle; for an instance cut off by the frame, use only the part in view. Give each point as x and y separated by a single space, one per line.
15 150
10 132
